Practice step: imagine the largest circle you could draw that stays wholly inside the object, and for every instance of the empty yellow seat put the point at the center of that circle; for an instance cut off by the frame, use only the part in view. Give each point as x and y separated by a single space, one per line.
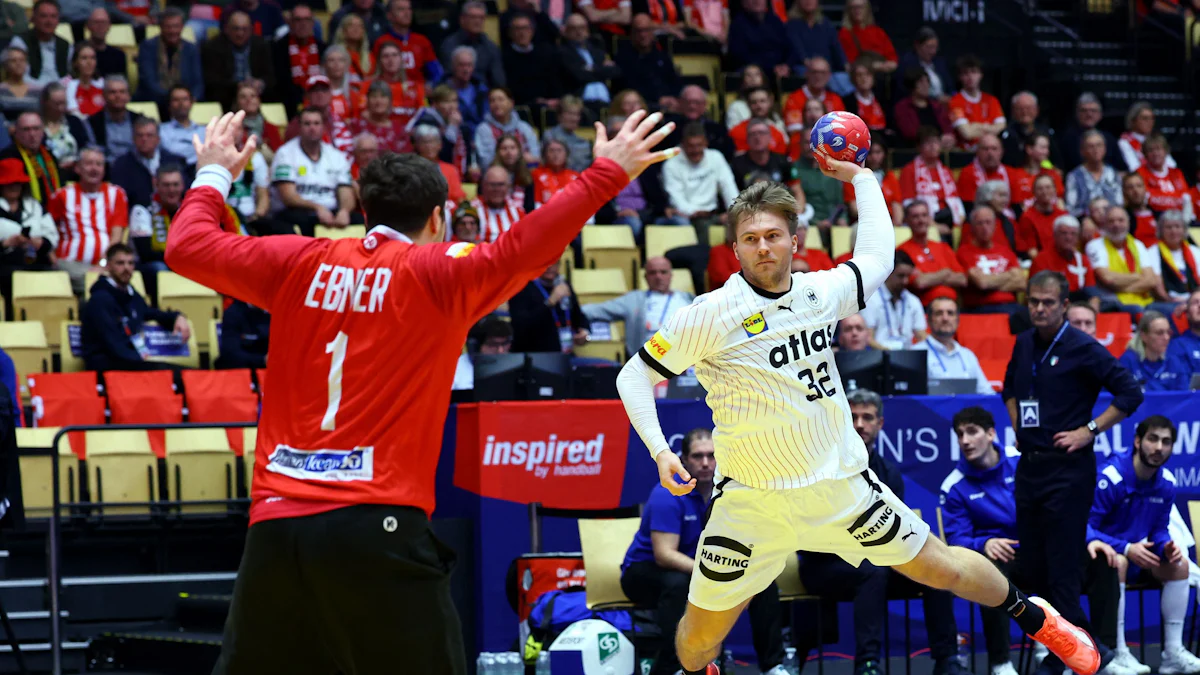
147 108
122 469
611 246
37 472
604 543
348 232
25 342
45 297
275 113
70 361
598 285
198 303
203 112
663 238
200 467
612 348
840 238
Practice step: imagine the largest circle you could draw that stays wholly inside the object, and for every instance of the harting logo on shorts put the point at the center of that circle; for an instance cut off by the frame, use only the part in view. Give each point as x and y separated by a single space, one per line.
877 526
563 457
723 559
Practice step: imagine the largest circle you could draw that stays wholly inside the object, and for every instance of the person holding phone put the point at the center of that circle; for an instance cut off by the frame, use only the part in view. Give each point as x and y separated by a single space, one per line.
27 233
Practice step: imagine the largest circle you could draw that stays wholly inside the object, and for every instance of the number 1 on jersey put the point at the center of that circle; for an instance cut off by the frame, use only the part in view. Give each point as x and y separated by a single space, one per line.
338 349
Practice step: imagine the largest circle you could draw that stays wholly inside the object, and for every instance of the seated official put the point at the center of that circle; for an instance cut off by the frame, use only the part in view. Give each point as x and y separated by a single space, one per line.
853 334
893 313
643 312
1149 360
492 335
1128 531
111 335
657 569
1186 345
245 335
979 512
867 585
947 358
546 316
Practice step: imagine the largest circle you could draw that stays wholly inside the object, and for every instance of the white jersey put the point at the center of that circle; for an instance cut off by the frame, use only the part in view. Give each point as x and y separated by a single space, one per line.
766 360
317 181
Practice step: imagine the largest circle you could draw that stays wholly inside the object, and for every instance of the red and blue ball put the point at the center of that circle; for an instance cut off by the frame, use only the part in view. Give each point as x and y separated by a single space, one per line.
841 135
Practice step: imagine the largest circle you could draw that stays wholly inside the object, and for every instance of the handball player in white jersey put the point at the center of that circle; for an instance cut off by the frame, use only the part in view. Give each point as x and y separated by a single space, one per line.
791 471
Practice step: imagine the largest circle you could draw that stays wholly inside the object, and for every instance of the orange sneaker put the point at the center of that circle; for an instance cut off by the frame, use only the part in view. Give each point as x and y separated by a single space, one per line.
1067 641
712 669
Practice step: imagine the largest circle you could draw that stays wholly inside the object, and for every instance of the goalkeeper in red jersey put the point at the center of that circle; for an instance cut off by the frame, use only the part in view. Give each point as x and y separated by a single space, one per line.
341 571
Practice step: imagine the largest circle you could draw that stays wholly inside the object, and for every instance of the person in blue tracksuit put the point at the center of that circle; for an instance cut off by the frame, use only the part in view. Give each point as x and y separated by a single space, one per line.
1149 359
1128 530
1186 345
980 513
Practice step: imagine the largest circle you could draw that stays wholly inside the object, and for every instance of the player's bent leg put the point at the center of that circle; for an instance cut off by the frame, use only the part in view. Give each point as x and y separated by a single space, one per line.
701 632
382 581
272 625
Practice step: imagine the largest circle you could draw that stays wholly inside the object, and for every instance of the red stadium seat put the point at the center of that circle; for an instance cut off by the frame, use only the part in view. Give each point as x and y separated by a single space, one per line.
1113 330
987 335
143 397
994 370
220 396
64 399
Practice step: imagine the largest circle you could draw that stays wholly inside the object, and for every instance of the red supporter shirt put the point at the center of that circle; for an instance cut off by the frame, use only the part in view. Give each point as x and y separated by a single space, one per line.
871 39
1036 229
707 15
973 175
992 260
931 257
407 98
1165 189
1020 183
392 137
722 264
453 180
817 259
1077 269
890 186
416 49
331 432
793 109
604 6
85 220
871 112
779 142
547 183
983 110
1142 225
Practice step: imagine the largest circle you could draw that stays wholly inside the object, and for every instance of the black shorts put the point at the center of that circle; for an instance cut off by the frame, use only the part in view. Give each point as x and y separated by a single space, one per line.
362 590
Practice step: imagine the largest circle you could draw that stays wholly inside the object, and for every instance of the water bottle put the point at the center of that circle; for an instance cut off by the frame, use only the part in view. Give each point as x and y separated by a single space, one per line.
486 664
790 661
513 664
727 661
964 650
543 663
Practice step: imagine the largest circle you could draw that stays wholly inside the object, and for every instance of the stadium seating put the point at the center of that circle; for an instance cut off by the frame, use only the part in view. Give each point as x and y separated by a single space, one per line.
663 238
598 285
611 246
25 343
143 397
680 281
147 108
1113 330
37 471
275 113
45 297
65 399
987 335
138 283
604 543
122 469
348 232
198 303
214 342
840 241
220 396
70 355
200 467
612 348
202 112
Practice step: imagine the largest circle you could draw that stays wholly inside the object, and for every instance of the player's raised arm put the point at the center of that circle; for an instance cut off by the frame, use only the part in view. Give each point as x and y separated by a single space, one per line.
492 273
247 268
875 244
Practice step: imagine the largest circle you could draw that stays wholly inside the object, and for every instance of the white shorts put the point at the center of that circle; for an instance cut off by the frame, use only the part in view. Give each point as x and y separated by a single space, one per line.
750 532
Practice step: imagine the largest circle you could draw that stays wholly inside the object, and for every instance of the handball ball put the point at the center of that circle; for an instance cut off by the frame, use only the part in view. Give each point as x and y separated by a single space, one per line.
841 135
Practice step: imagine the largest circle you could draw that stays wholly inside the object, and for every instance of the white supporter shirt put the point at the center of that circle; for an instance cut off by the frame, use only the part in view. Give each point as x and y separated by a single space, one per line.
494 222
241 196
694 187
895 323
958 363
317 181
1153 260
767 363
1097 253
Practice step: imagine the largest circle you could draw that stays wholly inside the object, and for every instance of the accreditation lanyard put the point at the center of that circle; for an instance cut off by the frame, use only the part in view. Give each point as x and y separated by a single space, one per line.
1033 382
666 306
563 324
933 350
887 316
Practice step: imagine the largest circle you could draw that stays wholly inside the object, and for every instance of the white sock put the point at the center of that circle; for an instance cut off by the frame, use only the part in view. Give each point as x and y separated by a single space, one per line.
1174 610
1121 620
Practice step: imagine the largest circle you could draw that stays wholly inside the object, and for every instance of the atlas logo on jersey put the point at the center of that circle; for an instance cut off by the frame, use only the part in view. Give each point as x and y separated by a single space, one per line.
723 552
817 342
754 324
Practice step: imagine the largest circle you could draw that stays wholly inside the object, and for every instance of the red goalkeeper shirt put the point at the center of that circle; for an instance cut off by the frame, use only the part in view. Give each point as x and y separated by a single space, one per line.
366 334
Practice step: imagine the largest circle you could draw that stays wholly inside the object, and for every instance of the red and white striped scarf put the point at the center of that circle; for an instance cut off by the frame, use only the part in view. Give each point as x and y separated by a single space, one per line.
981 174
304 59
934 190
494 222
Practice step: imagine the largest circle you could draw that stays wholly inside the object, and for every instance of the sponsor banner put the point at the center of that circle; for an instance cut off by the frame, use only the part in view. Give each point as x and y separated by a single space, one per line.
565 454
162 343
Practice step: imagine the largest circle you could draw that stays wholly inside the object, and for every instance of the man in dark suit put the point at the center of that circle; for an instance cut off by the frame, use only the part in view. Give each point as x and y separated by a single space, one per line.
135 170
646 67
544 30
181 57
112 127
45 21
532 68
924 55
586 67
294 66
234 56
546 316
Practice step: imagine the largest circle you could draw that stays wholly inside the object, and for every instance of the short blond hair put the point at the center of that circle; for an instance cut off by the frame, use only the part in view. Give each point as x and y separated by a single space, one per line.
763 197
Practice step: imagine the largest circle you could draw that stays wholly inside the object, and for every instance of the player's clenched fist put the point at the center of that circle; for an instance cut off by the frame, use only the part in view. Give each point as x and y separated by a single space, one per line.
669 466
220 145
633 146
